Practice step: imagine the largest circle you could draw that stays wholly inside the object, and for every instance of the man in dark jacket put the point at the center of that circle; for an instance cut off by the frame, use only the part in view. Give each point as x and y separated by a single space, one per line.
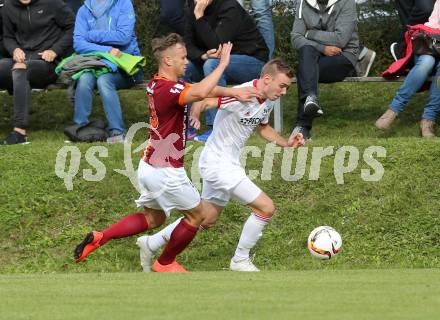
325 35
211 23
74 5
36 34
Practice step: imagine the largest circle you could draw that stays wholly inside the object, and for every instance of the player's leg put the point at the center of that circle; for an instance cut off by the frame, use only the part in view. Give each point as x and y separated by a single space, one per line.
262 211
155 209
180 238
149 245
183 196
129 225
213 203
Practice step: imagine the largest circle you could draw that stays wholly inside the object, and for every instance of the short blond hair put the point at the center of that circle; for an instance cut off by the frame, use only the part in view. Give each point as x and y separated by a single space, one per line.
159 45
275 66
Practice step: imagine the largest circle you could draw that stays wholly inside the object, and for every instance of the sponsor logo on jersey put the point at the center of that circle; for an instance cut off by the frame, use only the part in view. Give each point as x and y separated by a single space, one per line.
250 121
174 90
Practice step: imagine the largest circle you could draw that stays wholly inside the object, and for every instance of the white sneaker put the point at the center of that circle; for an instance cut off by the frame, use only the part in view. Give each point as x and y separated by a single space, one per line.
120 138
145 253
245 265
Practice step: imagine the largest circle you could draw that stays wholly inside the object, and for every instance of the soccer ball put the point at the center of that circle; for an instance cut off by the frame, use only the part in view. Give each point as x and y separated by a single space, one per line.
324 242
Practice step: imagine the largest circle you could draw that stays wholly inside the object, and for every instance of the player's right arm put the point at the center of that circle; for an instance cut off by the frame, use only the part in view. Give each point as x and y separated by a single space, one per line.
208 86
201 90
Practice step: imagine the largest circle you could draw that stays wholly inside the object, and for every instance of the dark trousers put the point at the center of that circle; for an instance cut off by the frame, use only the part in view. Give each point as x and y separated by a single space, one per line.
314 67
172 14
19 82
411 12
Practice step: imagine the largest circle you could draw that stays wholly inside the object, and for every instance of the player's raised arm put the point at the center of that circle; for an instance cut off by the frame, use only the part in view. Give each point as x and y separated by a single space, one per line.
202 90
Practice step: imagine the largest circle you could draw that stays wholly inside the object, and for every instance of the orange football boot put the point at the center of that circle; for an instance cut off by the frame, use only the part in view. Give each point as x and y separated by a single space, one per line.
88 245
172 267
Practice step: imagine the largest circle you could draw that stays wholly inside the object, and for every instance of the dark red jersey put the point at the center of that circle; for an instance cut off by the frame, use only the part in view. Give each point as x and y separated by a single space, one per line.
168 116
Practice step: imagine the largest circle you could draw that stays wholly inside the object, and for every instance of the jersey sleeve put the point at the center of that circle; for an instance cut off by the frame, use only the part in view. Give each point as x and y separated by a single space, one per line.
267 117
175 92
229 104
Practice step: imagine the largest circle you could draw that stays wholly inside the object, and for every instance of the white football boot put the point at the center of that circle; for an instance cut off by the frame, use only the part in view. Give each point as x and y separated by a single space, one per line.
244 265
145 253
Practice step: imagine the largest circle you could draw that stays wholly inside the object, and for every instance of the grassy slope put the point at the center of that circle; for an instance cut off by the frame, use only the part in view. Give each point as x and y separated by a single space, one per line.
355 294
391 223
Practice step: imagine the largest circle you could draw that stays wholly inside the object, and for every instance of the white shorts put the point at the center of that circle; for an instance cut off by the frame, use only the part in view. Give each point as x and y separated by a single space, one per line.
166 189
222 181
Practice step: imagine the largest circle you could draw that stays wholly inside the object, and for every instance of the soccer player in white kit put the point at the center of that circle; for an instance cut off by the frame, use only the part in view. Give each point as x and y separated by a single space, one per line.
223 177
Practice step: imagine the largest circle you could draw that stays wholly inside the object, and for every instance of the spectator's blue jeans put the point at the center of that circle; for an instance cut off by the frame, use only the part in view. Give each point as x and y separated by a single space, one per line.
262 11
241 69
424 67
108 85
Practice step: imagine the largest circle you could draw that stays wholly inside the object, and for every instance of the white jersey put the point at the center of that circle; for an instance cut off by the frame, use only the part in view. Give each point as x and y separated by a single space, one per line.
234 123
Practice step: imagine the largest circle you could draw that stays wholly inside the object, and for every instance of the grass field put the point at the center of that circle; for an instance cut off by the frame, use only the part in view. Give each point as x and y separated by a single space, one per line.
354 294
389 267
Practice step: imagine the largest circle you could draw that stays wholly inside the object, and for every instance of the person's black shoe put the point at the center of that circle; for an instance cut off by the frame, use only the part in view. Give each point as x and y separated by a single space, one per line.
305 132
15 138
312 108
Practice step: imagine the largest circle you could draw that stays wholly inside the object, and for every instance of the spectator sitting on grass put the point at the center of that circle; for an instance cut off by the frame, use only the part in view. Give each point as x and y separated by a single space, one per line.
424 66
211 23
105 26
34 43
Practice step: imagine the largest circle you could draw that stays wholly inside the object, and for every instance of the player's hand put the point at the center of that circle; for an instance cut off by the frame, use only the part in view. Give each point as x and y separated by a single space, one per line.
332 51
48 55
296 140
194 122
18 55
194 117
200 7
225 54
246 94
116 52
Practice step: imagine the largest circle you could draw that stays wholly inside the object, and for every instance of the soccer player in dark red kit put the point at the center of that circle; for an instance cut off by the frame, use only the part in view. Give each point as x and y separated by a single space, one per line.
161 175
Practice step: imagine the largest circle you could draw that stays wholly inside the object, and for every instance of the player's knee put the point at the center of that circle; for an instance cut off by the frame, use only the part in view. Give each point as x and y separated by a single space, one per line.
154 220
208 222
269 208
195 220
19 65
196 216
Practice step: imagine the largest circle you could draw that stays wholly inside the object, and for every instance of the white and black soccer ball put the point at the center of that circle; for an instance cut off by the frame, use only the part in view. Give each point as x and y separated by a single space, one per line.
324 242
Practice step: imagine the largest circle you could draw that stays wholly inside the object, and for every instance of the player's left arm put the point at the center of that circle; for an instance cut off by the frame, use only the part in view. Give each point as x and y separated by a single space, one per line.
198 107
267 132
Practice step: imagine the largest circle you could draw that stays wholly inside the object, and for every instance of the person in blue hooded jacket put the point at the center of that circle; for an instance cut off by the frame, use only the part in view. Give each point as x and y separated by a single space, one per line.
105 26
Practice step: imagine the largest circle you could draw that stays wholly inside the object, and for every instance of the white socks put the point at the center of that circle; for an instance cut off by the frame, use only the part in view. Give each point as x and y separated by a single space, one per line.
161 238
251 233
